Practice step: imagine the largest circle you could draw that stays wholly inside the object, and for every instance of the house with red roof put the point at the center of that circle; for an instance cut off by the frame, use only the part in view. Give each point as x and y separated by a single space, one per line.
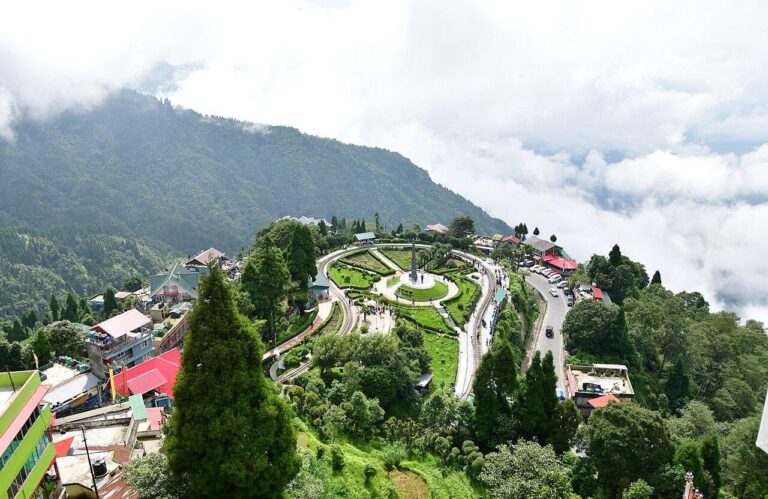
156 374
203 258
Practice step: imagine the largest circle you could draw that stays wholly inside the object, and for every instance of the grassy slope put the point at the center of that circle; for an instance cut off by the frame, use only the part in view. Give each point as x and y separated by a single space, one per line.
428 317
445 359
457 305
454 484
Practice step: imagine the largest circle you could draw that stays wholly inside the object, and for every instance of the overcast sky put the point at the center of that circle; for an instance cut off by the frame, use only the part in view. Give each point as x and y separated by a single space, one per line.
643 123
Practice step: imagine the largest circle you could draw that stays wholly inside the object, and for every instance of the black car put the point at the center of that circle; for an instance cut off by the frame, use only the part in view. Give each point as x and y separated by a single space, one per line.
550 332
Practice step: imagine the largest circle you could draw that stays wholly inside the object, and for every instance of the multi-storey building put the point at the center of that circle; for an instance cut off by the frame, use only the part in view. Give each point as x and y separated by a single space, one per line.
25 443
122 341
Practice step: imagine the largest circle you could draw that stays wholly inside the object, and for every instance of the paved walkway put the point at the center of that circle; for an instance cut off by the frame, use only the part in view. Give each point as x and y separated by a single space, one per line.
324 310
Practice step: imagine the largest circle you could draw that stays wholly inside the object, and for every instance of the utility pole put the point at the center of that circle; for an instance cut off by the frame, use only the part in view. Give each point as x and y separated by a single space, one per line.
90 466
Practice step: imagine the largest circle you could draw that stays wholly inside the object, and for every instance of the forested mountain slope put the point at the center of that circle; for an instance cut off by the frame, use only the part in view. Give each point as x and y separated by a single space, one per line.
36 263
191 181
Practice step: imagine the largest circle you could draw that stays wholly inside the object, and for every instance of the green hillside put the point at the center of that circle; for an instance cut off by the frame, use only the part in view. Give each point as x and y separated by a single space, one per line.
191 181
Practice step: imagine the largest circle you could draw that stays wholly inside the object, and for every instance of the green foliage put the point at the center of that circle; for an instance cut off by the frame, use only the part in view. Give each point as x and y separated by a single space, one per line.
41 345
301 260
436 292
366 260
426 317
444 353
47 262
626 442
110 303
202 178
678 385
618 275
656 279
461 305
150 478
745 466
337 458
494 388
638 489
232 436
369 472
66 339
710 454
688 455
599 329
525 471
462 226
265 280
347 277
393 455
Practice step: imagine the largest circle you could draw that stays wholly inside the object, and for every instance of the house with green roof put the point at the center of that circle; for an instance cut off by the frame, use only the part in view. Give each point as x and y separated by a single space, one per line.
318 288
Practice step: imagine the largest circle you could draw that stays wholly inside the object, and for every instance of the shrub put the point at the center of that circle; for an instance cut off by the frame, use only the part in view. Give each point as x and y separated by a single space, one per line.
392 455
369 472
320 452
337 458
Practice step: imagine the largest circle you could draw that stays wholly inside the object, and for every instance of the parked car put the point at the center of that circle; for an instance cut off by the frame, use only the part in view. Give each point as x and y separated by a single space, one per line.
570 300
553 292
550 332
553 278
562 284
528 263
546 272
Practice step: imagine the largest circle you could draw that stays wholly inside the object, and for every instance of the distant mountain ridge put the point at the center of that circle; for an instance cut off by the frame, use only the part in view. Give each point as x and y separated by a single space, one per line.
190 181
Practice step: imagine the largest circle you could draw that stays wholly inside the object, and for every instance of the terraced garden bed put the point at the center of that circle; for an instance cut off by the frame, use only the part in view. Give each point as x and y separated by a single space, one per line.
368 261
460 307
345 276
439 290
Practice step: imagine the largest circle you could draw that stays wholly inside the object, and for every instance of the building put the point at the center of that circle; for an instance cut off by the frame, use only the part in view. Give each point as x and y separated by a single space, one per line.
424 383
72 390
513 240
318 288
172 328
541 247
564 265
177 285
484 244
157 375
202 259
365 238
122 341
436 229
309 221
26 445
585 383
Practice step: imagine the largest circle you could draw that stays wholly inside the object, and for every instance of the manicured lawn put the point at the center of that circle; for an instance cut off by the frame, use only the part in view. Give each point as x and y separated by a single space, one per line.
347 277
401 257
428 317
366 260
393 280
445 359
469 294
439 290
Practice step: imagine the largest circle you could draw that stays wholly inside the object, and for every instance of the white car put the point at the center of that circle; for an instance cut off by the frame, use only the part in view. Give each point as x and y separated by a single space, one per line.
553 278
553 292
546 272
562 284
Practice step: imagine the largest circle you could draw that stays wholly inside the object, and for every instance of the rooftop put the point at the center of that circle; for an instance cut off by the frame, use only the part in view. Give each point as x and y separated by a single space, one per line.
364 236
600 379
123 324
439 228
320 281
603 400
205 257
156 373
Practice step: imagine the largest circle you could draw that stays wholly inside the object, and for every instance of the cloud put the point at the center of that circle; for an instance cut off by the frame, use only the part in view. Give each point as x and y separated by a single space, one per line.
641 123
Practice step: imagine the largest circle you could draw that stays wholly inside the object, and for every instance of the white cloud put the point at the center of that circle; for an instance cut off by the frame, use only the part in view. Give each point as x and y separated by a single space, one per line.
601 121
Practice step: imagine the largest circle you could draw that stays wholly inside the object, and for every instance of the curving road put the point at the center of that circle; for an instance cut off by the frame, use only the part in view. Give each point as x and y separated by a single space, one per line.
556 309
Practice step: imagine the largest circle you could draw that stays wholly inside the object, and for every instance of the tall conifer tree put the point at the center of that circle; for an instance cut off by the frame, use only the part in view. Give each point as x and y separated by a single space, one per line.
230 435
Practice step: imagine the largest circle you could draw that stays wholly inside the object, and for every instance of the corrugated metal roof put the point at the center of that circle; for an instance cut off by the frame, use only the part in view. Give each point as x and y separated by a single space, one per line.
124 323
138 409
364 236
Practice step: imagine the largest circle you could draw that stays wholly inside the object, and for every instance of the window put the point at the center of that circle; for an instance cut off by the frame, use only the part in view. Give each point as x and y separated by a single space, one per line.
145 344
29 465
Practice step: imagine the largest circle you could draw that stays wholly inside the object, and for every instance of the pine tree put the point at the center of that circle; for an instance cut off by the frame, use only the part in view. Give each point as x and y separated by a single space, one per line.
656 279
335 222
678 385
536 407
322 228
301 262
688 455
230 434
110 303
17 332
536 231
41 345
378 224
15 357
70 309
362 226
494 389
553 238
614 257
29 320
54 304
265 279
399 229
